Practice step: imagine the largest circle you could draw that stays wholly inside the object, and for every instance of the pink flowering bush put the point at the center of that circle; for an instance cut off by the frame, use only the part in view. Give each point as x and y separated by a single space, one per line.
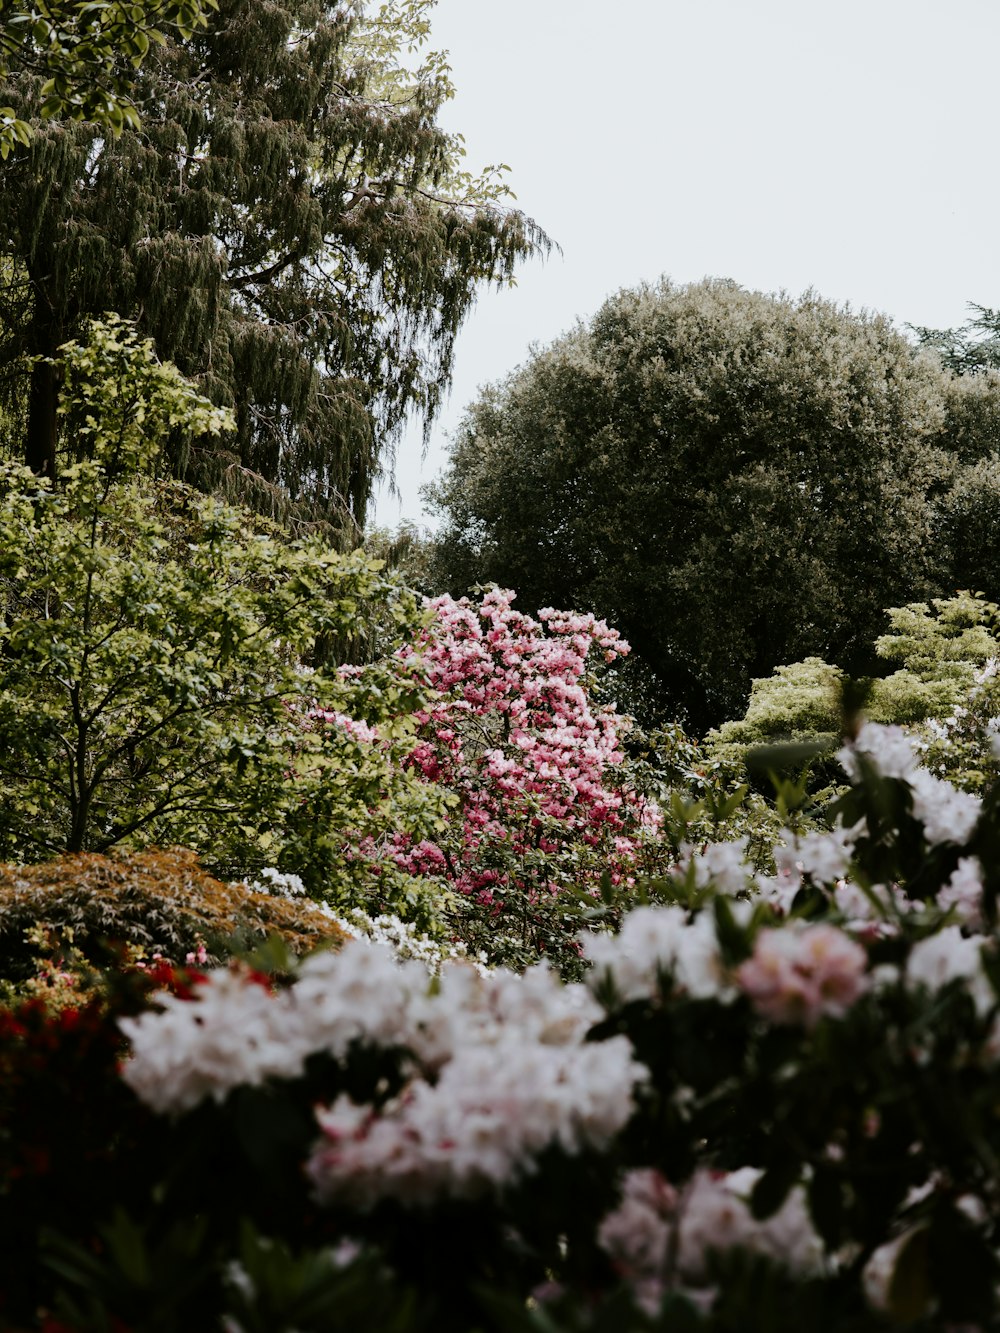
543 801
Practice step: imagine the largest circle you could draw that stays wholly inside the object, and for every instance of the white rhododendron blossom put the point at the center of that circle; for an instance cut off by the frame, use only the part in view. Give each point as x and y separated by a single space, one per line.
964 892
872 913
798 974
891 749
278 883
825 857
233 1032
492 1111
660 1237
715 1215
406 940
499 1067
653 942
948 815
356 993
947 956
722 864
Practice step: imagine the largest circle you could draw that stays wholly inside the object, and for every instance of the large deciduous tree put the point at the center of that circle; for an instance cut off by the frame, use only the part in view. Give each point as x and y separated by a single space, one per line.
152 642
734 480
291 226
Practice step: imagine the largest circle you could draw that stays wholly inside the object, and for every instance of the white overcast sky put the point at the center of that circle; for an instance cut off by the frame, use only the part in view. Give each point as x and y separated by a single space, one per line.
850 147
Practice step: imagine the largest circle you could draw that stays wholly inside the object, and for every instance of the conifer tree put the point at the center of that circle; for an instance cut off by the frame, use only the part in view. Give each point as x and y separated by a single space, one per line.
292 228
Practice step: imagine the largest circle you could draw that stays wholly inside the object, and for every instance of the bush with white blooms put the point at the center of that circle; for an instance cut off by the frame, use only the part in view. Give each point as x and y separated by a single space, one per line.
773 1105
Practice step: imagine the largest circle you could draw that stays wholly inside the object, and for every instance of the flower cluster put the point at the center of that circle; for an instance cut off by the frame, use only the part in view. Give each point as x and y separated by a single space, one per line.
498 1069
797 975
542 801
787 1081
661 1237
659 950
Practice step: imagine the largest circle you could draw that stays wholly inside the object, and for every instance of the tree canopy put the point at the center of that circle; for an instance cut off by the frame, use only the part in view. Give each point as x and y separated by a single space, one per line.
734 480
291 226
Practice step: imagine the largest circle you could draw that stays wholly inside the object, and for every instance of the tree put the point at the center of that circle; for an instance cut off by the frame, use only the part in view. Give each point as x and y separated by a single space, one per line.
154 640
87 54
970 349
733 480
291 227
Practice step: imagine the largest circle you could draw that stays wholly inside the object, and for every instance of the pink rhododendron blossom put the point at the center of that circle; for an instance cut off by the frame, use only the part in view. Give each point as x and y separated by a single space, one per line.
798 975
660 1238
535 766
636 1235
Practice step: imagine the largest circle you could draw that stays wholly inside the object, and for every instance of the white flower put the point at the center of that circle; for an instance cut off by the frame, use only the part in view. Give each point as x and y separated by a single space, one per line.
824 856
233 1032
948 955
948 815
715 1215
654 941
964 892
492 1111
890 747
720 863
278 883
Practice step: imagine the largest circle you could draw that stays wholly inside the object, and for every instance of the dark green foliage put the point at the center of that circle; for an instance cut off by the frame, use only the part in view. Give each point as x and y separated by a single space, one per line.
734 480
969 349
291 229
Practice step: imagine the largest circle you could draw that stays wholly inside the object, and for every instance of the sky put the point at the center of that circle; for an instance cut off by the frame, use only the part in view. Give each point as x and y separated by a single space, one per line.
846 147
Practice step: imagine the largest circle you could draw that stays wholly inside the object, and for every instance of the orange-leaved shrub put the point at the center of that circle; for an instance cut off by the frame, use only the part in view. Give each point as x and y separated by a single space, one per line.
158 900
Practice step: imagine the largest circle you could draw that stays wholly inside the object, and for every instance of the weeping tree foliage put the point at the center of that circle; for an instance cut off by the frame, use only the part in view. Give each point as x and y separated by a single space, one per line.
292 228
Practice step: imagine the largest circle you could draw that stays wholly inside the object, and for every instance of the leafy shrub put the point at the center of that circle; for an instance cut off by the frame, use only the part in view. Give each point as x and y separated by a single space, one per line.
542 800
157 901
734 480
943 689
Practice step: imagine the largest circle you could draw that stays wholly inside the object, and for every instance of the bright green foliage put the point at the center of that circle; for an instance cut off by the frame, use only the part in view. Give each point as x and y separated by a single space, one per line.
945 641
734 480
87 55
293 229
798 702
940 650
153 689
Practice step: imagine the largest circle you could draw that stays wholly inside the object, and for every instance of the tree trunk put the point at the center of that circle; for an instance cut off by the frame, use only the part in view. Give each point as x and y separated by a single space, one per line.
43 392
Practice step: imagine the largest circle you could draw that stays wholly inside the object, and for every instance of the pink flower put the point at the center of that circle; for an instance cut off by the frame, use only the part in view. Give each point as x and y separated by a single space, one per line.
798 975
